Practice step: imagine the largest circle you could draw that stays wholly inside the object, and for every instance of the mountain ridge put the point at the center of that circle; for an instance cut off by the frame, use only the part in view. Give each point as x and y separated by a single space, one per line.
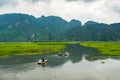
23 27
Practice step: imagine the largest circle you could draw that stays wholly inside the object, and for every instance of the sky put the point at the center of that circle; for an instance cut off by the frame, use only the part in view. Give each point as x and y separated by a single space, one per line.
103 11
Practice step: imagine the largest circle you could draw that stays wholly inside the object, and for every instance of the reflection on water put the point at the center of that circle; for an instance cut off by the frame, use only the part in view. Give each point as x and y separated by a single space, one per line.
76 52
82 64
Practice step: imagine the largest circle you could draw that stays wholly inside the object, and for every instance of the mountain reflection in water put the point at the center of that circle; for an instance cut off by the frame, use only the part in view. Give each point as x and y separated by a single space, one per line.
76 52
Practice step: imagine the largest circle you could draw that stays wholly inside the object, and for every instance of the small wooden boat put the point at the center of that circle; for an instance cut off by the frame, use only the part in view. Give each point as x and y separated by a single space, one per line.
63 54
42 62
60 54
102 62
66 54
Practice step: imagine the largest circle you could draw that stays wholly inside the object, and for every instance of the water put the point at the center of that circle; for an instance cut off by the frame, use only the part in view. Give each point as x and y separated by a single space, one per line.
82 64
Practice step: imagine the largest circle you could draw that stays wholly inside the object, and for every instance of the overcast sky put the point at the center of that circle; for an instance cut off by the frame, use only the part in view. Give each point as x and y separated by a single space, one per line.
106 11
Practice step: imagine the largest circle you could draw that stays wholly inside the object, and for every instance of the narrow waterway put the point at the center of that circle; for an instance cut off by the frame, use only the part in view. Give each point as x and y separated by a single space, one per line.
81 64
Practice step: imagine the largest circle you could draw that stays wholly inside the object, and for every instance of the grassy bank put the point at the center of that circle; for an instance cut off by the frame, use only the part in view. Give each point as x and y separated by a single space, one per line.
31 48
28 48
105 48
12 49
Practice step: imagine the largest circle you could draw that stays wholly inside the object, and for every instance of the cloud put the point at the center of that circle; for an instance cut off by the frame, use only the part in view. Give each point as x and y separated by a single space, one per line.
8 2
114 6
106 11
117 9
35 1
81 0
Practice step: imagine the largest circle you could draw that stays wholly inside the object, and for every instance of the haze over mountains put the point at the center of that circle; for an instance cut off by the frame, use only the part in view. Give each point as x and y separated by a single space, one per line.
23 27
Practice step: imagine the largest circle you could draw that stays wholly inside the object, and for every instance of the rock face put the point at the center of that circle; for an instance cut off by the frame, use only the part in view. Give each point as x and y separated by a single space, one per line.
23 27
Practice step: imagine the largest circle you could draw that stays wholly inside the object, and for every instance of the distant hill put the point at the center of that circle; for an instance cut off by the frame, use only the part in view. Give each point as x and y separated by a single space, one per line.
23 27
94 32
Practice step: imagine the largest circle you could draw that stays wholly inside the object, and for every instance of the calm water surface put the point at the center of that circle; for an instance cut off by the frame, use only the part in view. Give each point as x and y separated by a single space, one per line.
82 64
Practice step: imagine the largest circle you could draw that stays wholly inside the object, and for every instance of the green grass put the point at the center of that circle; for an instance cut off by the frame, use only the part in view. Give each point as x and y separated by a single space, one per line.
11 49
31 48
105 48
58 43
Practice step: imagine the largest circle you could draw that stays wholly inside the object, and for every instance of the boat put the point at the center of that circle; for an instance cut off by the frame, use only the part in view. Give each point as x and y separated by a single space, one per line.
63 54
66 54
60 54
41 61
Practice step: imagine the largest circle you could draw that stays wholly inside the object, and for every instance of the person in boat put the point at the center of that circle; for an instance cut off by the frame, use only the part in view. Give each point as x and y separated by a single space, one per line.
43 59
66 54
60 54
